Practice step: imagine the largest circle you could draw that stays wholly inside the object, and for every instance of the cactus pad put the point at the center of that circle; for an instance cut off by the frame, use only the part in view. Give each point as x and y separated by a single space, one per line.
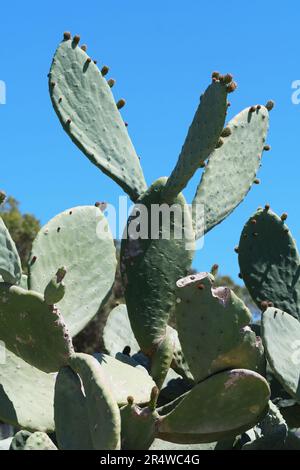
24 440
269 262
26 395
225 404
281 338
201 139
102 410
213 328
151 267
80 240
33 330
84 103
232 168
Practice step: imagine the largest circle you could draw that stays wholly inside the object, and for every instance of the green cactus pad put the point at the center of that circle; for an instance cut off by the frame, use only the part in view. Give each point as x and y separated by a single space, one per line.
80 240
201 139
125 380
32 441
269 262
102 410
33 330
231 169
118 333
151 267
225 404
88 113
162 359
70 409
26 395
281 339
213 328
10 264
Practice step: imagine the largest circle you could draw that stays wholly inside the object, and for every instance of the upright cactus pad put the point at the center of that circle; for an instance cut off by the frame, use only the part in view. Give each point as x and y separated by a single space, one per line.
202 137
157 247
101 408
151 266
80 240
221 406
10 264
269 262
232 168
70 408
281 338
26 395
213 327
28 325
84 103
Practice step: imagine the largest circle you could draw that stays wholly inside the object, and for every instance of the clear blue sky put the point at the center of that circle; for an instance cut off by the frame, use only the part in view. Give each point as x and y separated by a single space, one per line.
162 54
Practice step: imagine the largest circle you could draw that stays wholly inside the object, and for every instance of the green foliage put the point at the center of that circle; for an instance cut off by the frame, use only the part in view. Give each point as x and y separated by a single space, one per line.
22 227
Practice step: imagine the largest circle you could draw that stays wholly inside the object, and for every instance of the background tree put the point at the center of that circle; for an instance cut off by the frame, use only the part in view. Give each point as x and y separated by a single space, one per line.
22 227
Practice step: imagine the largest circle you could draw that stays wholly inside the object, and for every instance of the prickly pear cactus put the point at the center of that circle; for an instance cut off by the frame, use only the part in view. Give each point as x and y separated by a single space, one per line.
124 398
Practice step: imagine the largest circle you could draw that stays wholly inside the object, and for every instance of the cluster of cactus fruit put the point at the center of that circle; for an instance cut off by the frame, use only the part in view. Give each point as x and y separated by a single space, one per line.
202 384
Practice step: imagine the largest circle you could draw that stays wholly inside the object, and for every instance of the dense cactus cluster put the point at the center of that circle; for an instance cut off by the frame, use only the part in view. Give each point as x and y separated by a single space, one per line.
201 385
